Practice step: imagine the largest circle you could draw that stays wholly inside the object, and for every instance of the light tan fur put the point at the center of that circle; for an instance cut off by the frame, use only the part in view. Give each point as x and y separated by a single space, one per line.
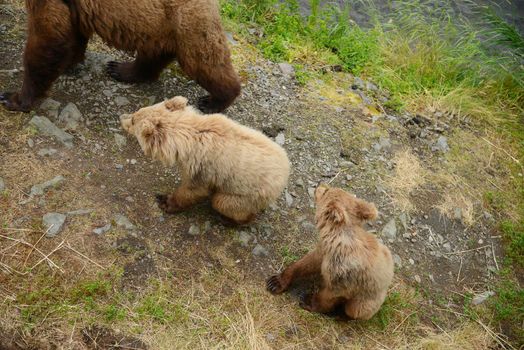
242 169
354 267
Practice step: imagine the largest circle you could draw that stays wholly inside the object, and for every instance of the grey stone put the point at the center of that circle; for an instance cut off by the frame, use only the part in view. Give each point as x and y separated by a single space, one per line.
121 101
80 212
289 198
2 185
270 337
123 221
441 144
107 93
457 213
120 140
50 106
306 225
418 279
358 84
259 250
280 139
46 152
404 220
244 238
46 127
447 247
230 38
38 190
133 161
207 226
311 192
30 143
389 231
286 69
194 230
70 116
482 297
53 223
102 230
411 261
384 143
119 166
371 86
397 260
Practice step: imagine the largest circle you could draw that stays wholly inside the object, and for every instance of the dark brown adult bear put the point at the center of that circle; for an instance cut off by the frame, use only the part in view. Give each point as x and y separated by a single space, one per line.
157 30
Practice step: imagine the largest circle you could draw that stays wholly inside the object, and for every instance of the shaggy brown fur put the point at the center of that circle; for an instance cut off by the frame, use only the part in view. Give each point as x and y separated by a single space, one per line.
355 268
158 30
242 169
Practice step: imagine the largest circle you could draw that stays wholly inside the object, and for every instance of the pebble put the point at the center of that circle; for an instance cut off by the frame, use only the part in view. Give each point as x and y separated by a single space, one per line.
123 221
270 337
280 139
411 261
389 231
230 38
289 198
311 192
244 238
30 143
133 161
38 190
71 116
80 212
358 84
418 279
46 152
457 213
102 230
46 127
441 145
2 185
53 223
259 250
447 247
121 101
50 106
397 260
286 69
194 230
482 297
119 166
120 140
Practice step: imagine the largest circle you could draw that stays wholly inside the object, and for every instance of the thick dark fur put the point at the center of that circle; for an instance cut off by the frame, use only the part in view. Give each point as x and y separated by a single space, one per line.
157 30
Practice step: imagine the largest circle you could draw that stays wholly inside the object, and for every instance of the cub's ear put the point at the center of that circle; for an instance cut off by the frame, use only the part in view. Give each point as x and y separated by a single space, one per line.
335 213
176 103
366 211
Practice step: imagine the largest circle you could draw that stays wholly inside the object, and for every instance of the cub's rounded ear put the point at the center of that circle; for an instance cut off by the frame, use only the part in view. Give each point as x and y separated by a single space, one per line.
366 211
176 103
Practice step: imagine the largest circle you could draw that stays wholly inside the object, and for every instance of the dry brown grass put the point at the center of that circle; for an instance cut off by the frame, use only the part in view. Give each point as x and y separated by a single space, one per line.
408 176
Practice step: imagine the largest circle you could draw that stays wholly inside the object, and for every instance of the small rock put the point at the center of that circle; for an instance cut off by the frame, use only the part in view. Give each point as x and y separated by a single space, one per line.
411 261
358 84
30 143
270 337
102 230
418 279
280 139
121 101
132 161
50 106
194 230
488 216
482 297
308 227
119 166
230 38
244 238
46 152
53 223
120 140
272 130
71 116
389 231
38 190
447 247
287 69
2 185
457 213
311 192
130 199
441 145
80 212
397 260
123 221
207 226
289 198
46 127
259 250
383 143
404 220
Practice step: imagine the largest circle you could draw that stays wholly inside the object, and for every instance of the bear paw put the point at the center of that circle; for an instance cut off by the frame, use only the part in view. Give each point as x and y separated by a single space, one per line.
10 101
167 204
274 285
306 301
208 105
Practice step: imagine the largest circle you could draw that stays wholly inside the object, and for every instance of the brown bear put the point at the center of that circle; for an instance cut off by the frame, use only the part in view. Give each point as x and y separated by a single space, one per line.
240 168
157 30
354 268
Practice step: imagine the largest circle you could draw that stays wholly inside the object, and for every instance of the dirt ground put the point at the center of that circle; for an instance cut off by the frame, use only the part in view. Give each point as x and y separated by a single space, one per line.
425 172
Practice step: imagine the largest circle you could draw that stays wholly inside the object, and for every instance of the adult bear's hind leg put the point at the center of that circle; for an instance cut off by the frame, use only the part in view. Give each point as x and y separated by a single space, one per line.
48 52
145 68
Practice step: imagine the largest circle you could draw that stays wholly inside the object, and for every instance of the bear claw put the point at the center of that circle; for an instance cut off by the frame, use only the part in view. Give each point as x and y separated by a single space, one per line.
208 105
273 285
305 301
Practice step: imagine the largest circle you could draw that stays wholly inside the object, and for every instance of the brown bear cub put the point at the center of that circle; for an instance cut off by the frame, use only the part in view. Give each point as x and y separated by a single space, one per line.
241 169
354 268
157 30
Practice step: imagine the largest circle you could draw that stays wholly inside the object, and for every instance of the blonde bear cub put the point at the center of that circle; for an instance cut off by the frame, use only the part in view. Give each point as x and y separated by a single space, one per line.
240 168
354 268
